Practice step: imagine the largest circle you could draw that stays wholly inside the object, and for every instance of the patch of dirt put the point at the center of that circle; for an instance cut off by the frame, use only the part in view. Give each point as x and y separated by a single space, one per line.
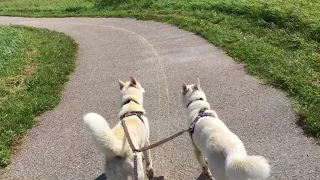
14 84
32 51
315 81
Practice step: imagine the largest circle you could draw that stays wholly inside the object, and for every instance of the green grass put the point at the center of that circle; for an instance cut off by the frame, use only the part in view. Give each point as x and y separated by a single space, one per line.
278 40
43 4
34 65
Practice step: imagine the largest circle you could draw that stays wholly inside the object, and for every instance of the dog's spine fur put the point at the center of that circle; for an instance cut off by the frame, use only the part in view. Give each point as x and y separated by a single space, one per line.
247 167
101 134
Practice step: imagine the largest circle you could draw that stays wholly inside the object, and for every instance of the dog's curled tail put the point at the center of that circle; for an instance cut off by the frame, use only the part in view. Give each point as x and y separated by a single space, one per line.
101 134
247 167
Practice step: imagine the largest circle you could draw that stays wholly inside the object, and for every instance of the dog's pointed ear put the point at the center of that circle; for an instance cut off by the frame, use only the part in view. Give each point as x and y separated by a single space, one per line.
184 88
121 84
197 86
133 81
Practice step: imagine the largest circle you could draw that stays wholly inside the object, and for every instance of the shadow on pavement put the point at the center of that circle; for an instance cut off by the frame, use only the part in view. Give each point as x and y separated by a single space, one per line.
101 177
203 177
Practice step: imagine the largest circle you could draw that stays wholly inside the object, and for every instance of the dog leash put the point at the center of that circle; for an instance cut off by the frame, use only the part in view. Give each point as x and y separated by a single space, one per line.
135 150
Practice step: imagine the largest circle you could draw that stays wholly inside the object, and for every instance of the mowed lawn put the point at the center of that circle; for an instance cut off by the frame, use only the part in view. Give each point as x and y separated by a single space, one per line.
34 65
278 40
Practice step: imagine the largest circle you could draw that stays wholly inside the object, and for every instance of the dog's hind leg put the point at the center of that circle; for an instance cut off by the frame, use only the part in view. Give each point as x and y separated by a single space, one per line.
147 155
140 167
202 161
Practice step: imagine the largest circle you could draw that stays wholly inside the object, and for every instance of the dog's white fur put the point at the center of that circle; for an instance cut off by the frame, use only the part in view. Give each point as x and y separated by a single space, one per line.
226 155
113 142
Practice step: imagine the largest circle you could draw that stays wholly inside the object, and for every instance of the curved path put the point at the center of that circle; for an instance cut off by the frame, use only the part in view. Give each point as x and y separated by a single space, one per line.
161 57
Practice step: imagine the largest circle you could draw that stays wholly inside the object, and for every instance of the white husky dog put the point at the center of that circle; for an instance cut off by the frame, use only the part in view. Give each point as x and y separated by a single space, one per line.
226 155
113 142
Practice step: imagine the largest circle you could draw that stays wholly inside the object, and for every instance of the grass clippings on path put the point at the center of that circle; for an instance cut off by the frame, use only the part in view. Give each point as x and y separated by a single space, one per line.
34 65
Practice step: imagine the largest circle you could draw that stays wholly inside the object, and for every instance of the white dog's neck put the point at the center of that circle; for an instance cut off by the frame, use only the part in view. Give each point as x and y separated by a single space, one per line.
194 108
131 107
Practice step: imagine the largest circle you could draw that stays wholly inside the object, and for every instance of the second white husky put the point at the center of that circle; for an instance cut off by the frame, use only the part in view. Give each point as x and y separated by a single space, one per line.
226 155
113 142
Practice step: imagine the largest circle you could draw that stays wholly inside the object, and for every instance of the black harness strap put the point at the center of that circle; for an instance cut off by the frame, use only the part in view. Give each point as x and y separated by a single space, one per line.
128 101
201 114
133 113
134 149
200 99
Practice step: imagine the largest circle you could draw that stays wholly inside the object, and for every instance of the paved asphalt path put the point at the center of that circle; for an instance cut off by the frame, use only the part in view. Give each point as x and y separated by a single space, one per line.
161 57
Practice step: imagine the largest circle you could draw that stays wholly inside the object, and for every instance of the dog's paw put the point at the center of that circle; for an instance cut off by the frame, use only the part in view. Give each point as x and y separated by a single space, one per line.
149 172
205 170
207 175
